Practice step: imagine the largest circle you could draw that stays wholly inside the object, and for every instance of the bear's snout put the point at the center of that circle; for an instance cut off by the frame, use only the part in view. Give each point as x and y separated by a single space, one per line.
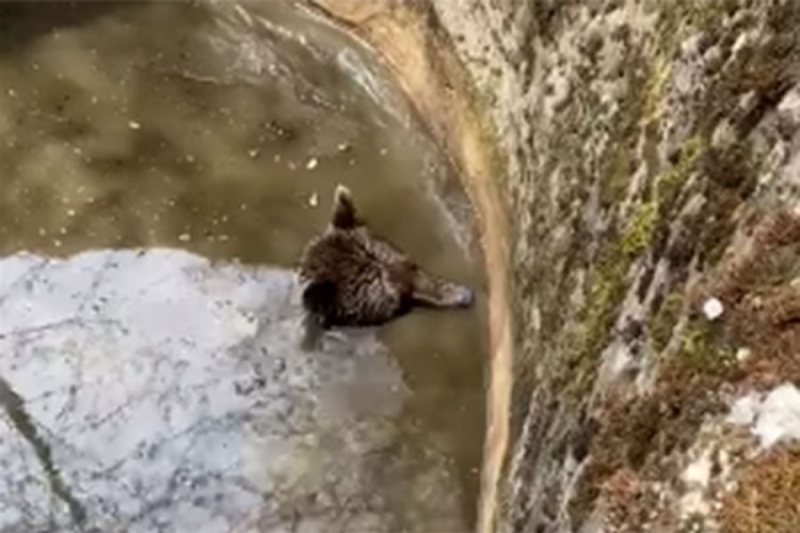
454 295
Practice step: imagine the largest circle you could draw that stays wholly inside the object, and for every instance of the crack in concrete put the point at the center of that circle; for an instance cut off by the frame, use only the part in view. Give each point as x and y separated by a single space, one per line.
14 405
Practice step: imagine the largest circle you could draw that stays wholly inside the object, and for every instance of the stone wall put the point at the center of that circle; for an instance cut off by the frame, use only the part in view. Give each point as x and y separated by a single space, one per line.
644 291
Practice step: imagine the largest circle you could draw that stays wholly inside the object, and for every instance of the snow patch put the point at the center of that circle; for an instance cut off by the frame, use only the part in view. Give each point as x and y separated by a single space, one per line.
772 418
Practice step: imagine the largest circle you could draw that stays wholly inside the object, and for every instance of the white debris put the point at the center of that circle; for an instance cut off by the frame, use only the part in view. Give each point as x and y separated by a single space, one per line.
694 503
184 237
696 477
312 163
712 308
743 410
743 354
252 153
343 147
313 201
779 418
697 474
773 419
134 125
70 212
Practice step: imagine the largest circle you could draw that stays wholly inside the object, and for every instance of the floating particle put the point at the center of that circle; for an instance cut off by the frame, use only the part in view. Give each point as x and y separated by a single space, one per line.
312 163
313 200
134 125
184 237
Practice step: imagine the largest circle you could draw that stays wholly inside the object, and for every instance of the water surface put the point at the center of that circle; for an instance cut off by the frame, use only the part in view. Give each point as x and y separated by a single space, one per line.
219 130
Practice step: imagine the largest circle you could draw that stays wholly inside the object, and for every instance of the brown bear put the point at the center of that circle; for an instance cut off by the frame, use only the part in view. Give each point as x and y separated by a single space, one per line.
351 277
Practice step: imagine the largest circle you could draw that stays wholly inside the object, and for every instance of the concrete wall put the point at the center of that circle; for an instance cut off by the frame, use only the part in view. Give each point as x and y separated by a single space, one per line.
635 165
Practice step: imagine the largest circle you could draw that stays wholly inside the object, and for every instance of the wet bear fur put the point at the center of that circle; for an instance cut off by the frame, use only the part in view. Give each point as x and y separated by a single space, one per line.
353 278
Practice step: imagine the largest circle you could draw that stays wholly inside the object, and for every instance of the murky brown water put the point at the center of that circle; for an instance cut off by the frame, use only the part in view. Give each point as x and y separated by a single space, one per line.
223 130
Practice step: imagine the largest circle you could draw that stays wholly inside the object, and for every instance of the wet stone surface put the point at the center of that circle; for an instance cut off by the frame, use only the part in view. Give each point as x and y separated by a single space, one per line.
161 167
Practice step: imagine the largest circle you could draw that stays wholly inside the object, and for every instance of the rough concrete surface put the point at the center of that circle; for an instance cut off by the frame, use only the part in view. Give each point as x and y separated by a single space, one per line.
648 152
149 390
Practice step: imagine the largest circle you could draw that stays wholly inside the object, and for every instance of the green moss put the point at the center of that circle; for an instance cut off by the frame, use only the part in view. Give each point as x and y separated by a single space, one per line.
639 233
669 183
700 353
655 85
618 176
663 322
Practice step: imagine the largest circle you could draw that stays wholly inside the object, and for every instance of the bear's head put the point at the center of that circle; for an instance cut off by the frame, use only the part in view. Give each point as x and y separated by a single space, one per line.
352 277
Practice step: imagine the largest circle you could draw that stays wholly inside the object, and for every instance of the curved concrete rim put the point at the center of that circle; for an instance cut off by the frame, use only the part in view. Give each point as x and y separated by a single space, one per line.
439 89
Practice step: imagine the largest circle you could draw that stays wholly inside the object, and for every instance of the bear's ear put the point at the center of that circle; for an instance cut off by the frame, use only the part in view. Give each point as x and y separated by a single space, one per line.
344 212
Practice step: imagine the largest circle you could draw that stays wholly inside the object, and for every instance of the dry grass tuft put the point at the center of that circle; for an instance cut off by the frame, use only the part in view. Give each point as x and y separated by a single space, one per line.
761 293
767 499
626 502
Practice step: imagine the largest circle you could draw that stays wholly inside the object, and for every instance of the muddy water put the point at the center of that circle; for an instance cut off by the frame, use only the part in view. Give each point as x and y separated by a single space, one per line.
220 130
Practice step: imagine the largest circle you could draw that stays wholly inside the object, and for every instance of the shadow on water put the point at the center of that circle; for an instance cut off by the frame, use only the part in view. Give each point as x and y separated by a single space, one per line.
223 131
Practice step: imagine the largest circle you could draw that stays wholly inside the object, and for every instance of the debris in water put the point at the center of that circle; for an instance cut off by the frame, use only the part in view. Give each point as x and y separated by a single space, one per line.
312 163
70 212
712 308
253 153
313 201
184 237
384 151
134 125
343 147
